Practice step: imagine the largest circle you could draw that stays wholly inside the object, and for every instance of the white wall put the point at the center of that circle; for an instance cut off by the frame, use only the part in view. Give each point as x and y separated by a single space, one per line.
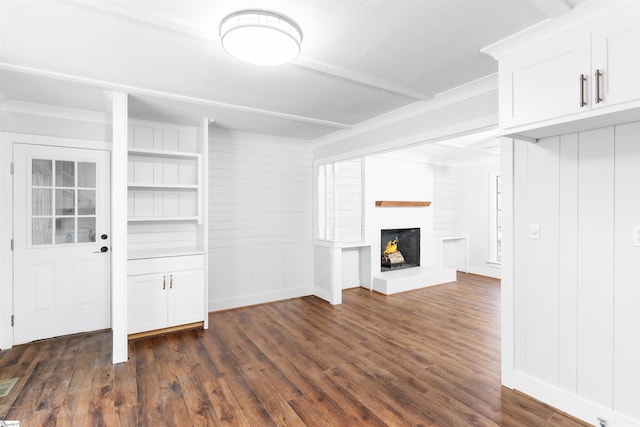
260 216
397 176
472 215
576 319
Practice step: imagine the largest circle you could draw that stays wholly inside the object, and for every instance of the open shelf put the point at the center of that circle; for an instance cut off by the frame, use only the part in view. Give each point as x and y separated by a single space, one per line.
400 203
162 187
163 252
146 152
161 218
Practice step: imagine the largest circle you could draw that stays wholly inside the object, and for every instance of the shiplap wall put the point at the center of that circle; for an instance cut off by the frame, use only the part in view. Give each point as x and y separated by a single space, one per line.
260 219
340 201
444 204
577 287
348 221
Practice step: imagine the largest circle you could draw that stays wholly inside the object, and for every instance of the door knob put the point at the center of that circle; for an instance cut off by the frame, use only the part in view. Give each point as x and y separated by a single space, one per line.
104 237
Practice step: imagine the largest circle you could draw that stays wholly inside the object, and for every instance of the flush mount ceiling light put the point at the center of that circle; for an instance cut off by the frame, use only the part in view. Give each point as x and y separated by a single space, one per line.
261 37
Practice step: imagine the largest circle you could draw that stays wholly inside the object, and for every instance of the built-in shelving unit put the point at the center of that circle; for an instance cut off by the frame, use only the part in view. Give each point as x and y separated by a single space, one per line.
167 235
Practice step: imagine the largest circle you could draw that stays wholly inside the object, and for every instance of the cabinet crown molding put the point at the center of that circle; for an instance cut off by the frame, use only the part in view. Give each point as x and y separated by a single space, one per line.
580 15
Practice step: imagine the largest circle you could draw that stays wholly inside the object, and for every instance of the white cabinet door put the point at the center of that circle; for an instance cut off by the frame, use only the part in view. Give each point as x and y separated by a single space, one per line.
616 55
543 81
147 304
186 291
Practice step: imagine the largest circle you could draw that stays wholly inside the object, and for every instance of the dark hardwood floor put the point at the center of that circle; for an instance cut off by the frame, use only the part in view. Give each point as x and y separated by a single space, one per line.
429 357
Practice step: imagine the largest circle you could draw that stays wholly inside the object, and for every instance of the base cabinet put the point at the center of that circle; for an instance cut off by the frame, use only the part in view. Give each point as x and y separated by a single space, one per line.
165 292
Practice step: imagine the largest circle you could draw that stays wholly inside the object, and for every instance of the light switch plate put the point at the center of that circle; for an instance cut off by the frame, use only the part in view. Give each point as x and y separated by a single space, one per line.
636 235
534 231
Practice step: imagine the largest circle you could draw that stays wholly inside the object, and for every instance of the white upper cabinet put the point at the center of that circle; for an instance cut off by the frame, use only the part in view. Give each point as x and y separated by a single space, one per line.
545 81
586 75
616 58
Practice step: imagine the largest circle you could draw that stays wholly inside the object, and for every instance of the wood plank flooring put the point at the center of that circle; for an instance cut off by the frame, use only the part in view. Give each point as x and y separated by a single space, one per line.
429 357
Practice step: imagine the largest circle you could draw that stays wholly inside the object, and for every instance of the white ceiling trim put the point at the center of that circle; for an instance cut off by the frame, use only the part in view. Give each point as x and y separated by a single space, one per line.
359 78
210 35
23 107
134 90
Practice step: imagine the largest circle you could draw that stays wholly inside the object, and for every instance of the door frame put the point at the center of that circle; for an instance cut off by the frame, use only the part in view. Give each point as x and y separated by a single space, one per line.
7 139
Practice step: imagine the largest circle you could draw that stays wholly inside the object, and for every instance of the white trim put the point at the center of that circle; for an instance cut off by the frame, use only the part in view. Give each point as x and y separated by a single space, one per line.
572 404
58 141
6 234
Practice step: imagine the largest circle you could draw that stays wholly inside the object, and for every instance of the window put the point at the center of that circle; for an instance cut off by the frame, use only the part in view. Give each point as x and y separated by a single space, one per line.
495 218
63 202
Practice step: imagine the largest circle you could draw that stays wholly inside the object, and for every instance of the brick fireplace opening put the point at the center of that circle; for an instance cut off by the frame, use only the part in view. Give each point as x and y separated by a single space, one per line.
399 248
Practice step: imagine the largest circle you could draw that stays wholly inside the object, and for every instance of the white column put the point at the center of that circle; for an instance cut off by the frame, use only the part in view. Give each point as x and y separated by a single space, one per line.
119 227
507 303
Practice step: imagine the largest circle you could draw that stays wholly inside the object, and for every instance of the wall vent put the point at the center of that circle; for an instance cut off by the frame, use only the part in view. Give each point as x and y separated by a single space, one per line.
6 386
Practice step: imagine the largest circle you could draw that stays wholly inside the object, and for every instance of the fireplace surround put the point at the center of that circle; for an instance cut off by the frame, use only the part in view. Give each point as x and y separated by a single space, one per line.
408 244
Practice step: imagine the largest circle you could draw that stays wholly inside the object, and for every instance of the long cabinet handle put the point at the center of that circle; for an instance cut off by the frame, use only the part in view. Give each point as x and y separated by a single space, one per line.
582 81
171 281
598 75
164 282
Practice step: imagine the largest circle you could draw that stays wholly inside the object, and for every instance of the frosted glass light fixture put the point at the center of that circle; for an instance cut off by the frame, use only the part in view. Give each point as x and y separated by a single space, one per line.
260 37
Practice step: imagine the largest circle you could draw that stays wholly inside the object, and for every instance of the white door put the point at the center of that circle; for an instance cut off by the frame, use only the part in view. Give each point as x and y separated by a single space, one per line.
61 241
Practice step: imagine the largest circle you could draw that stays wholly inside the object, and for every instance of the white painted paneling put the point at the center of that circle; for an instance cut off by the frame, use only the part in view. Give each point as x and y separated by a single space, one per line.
576 303
350 268
260 219
595 265
568 265
520 255
626 337
542 268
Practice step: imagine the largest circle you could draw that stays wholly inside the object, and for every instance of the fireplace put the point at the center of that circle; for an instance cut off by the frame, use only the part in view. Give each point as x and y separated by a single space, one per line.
399 248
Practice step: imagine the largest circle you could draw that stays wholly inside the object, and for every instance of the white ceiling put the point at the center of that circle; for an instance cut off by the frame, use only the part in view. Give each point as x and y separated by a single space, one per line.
360 58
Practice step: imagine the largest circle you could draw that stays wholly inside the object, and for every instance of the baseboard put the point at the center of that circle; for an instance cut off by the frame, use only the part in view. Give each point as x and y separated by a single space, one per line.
323 293
572 404
245 300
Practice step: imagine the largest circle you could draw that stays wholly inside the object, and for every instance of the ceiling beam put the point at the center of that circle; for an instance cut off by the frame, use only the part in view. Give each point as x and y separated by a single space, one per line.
360 78
132 12
136 90
551 8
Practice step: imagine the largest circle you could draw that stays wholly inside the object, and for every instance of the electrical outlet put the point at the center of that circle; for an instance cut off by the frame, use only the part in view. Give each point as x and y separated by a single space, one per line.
636 235
534 231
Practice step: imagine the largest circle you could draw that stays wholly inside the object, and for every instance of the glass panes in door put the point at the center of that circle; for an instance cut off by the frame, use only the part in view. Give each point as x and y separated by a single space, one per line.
63 202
